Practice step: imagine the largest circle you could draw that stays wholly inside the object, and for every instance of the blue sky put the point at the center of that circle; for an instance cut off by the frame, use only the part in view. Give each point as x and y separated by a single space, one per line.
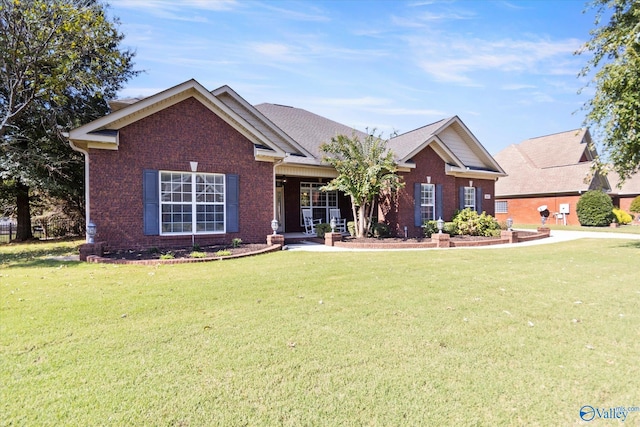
506 68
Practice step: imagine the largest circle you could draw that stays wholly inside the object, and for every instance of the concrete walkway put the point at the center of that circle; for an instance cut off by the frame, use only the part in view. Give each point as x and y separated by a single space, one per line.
556 237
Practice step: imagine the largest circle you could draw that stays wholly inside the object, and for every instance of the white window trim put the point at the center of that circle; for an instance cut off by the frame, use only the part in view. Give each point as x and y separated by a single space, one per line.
504 203
423 205
193 204
315 187
473 205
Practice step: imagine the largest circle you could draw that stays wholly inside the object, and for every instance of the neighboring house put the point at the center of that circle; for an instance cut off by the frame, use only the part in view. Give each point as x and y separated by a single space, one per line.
623 196
188 164
553 170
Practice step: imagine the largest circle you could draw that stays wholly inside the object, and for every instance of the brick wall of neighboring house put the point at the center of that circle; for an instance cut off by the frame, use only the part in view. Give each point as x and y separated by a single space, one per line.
401 213
170 140
525 210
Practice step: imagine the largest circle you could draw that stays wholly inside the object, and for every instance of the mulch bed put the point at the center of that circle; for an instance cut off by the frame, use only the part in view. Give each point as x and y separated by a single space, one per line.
185 253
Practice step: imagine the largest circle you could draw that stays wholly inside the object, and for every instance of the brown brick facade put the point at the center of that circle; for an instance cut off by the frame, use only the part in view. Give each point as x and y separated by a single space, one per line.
400 213
525 210
169 140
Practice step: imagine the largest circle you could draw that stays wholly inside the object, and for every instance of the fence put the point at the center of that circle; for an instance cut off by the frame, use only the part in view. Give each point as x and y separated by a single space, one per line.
43 229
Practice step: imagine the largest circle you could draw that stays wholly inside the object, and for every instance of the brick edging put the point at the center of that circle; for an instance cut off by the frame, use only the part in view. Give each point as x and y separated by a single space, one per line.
104 260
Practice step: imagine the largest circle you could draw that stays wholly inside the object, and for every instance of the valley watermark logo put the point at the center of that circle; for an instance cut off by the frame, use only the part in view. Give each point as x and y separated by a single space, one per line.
590 413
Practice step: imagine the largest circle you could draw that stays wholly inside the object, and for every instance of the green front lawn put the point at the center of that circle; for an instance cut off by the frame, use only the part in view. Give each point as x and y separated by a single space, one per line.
509 336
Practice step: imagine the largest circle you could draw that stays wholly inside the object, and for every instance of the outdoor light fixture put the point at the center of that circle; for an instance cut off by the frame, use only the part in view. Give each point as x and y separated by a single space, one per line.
91 232
440 224
509 223
333 224
274 225
194 166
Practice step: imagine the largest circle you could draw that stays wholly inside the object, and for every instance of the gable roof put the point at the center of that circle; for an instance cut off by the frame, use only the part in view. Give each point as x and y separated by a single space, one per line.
103 132
292 135
558 163
453 142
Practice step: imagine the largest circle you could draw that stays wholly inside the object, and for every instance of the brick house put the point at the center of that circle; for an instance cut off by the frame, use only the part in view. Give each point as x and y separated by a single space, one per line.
552 170
187 163
623 195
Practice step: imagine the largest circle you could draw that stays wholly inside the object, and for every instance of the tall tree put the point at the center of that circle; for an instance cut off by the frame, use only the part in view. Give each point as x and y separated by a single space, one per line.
365 169
614 110
59 62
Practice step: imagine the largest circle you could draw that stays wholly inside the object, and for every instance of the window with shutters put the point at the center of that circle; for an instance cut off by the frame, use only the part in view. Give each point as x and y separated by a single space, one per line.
192 203
427 202
470 198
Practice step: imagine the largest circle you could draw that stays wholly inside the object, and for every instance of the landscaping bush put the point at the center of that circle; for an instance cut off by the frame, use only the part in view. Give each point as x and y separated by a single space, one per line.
468 222
595 209
635 205
323 228
431 227
380 229
622 217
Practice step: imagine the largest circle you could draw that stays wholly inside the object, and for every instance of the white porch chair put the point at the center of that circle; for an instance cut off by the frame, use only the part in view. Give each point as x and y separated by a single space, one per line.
341 223
309 222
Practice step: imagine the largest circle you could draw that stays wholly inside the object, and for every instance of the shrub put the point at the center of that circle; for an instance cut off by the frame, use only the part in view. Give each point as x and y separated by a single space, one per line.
595 209
468 222
635 205
621 216
197 254
168 255
322 228
236 242
351 227
380 229
223 252
431 227
195 247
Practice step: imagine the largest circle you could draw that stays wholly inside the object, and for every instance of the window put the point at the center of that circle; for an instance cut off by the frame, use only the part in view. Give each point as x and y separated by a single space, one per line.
427 202
192 203
319 201
502 206
470 198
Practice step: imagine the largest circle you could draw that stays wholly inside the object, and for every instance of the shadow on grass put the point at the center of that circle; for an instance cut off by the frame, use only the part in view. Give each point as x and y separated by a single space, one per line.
37 253
40 263
635 244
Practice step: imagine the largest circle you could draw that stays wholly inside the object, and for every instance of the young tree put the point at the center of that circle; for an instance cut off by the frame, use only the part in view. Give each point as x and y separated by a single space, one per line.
59 62
366 169
614 110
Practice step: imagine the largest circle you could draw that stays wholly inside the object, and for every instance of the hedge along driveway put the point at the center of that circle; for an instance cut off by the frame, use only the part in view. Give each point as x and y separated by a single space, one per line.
524 335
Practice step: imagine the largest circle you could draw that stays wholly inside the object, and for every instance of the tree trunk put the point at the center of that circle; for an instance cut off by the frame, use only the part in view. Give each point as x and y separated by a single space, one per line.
23 229
362 218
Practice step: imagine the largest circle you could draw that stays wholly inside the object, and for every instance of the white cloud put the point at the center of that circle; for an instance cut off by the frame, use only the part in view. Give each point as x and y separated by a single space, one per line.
455 59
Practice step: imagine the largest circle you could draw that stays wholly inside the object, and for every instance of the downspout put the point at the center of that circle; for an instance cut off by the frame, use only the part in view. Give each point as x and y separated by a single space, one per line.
87 211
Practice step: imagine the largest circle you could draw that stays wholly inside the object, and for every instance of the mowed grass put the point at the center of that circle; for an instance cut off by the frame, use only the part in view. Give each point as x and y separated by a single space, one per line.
509 336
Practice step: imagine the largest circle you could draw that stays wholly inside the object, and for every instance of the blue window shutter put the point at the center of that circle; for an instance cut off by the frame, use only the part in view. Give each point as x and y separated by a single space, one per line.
461 201
151 201
439 202
479 200
232 203
417 193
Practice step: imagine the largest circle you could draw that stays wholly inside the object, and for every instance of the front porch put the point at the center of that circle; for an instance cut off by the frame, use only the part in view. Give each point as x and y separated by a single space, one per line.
295 193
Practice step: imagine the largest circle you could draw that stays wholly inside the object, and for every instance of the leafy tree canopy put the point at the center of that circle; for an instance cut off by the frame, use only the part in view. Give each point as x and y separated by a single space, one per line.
59 62
614 111
365 169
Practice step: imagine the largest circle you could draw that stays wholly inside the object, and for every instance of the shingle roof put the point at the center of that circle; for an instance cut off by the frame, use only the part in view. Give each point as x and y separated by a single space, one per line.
308 129
403 145
546 165
630 187
559 149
